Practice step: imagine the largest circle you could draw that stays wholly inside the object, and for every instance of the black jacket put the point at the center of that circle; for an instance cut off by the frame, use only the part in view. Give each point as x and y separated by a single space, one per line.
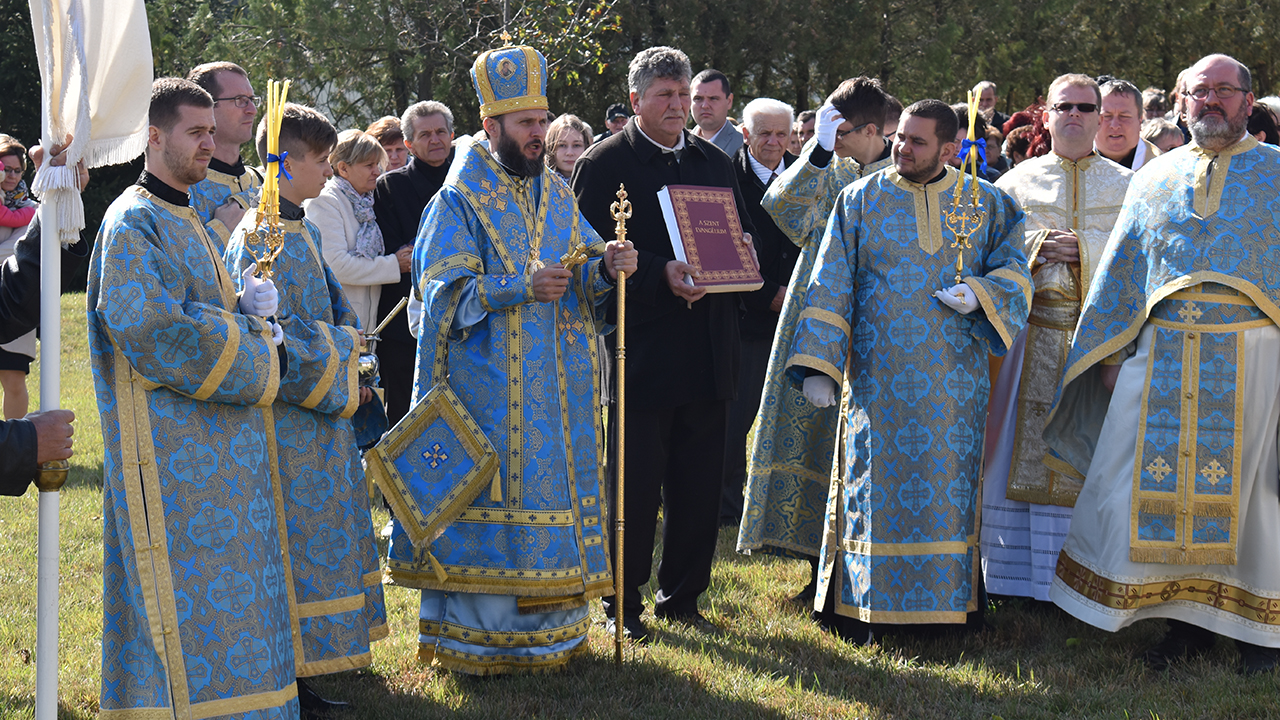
675 354
398 201
777 254
19 314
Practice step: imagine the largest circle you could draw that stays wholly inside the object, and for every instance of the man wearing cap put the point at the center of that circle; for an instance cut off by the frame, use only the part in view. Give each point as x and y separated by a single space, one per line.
615 118
507 560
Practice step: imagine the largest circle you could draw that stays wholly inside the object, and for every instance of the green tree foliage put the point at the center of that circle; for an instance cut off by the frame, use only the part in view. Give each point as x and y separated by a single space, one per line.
361 59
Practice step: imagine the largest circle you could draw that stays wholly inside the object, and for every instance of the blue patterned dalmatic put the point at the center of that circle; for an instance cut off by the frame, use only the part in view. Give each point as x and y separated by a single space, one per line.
789 465
195 602
335 589
901 539
517 566
1193 259
214 190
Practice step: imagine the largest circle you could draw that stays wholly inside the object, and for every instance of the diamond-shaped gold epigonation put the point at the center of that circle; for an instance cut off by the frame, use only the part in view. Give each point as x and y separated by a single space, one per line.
1159 468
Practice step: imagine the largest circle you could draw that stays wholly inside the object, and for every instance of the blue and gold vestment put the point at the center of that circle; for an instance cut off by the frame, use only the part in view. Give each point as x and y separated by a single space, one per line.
214 190
901 536
518 565
1180 515
335 585
195 608
789 462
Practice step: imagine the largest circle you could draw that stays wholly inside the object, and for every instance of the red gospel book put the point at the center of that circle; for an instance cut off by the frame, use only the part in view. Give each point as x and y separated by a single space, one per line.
706 233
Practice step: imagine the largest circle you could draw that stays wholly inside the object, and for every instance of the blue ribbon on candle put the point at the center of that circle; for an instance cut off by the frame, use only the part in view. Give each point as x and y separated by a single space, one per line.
279 161
980 143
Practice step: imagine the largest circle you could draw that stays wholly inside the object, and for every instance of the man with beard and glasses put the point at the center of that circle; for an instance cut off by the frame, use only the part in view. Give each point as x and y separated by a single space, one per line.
196 618
506 561
885 316
1168 407
230 187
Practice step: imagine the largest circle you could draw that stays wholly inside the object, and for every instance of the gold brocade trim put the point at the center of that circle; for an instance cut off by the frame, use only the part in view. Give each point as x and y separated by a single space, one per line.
1211 175
475 636
1055 315
136 714
1059 465
373 578
282 532
333 606
1223 328
497 665
353 373
337 664
977 286
466 261
1117 595
514 323
818 364
538 605
244 703
517 516
273 361
528 583
150 546
225 359
928 201
330 371
1045 355
882 549
379 632
1035 240
510 105
825 316
1117 342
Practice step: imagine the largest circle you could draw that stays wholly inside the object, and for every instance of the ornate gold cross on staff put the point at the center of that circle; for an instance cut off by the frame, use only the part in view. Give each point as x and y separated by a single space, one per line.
966 216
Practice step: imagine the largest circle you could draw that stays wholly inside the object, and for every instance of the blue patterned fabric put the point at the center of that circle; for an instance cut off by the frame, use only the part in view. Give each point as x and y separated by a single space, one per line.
1177 230
526 374
196 617
336 589
214 190
902 522
792 442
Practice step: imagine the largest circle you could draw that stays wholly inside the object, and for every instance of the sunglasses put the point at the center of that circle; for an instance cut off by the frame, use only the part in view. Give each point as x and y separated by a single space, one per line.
1066 107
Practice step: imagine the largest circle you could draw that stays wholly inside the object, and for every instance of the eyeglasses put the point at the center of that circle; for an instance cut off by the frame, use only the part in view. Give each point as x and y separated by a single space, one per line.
1066 107
1222 91
242 101
840 134
13 171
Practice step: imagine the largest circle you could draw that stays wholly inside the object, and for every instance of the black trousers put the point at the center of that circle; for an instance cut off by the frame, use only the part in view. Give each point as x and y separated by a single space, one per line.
674 459
742 412
395 369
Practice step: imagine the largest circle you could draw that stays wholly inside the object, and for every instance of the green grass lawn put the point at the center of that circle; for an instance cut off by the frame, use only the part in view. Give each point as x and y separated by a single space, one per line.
773 662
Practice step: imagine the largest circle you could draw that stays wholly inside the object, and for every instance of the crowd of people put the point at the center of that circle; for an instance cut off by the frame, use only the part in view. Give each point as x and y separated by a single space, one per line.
1045 373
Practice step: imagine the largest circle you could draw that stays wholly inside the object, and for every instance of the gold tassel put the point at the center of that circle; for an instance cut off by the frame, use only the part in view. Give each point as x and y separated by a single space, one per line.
437 568
495 488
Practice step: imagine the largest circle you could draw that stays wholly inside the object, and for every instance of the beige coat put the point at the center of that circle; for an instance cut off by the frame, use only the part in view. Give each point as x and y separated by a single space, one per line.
361 278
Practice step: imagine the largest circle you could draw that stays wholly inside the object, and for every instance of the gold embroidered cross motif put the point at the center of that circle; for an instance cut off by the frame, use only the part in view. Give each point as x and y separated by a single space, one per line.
571 325
435 455
1189 312
1213 472
1159 468
493 195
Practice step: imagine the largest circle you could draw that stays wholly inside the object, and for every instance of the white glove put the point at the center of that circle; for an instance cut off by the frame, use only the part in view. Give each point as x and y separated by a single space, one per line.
824 127
959 298
277 334
259 297
820 391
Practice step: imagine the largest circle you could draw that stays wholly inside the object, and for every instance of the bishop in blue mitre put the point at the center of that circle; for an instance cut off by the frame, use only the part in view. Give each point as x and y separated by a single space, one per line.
506 558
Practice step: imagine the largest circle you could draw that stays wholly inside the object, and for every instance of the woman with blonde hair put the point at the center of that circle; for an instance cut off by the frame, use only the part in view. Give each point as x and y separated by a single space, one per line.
567 138
349 235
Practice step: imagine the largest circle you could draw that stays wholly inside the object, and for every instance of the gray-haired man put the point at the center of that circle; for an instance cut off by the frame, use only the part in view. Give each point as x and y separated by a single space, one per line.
682 364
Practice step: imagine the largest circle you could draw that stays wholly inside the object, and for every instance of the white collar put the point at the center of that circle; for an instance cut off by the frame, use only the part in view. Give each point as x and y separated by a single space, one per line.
679 143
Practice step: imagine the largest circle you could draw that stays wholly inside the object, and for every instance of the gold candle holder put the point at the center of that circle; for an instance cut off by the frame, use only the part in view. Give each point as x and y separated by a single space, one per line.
267 232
